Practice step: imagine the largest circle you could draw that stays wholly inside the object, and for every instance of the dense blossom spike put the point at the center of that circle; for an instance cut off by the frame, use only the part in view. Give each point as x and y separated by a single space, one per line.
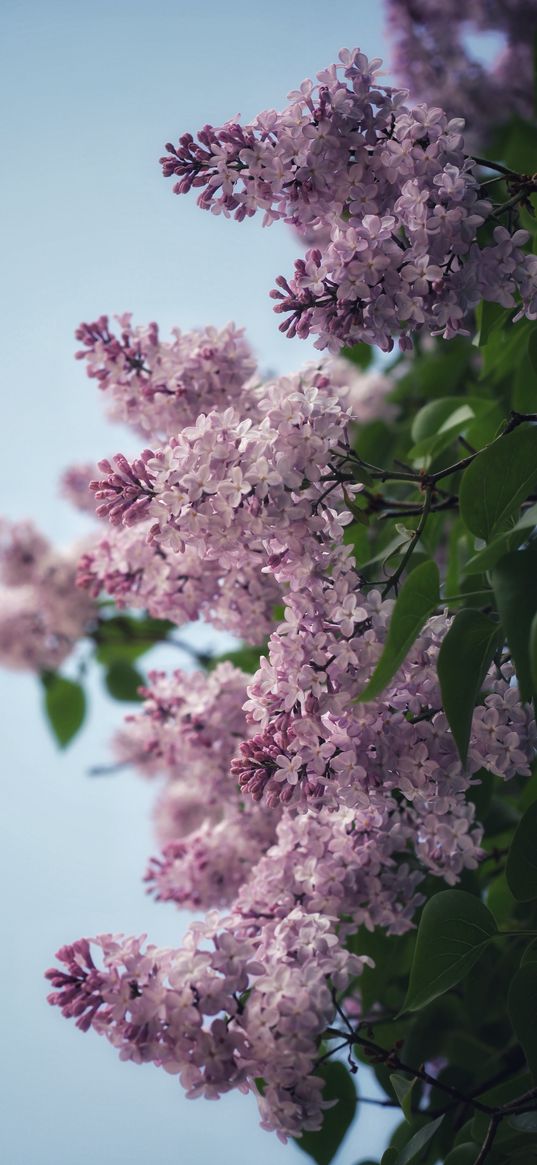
303 813
160 386
391 195
232 1006
292 813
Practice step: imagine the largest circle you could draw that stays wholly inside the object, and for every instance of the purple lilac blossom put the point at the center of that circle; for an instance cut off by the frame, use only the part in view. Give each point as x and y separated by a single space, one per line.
42 612
158 387
390 193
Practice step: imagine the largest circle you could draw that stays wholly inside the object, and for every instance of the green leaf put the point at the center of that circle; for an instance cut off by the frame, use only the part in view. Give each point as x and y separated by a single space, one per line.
389 1157
391 956
245 658
490 318
360 354
122 681
440 421
530 954
535 74
375 442
125 637
426 451
390 550
65 706
464 1134
443 369
524 396
524 1122
503 351
498 480
521 868
464 1154
458 538
522 1005
429 1031
339 1085
418 598
481 794
529 791
533 652
433 415
488 557
500 900
418 1142
513 580
495 1097
357 536
455 927
463 661
402 1086
532 349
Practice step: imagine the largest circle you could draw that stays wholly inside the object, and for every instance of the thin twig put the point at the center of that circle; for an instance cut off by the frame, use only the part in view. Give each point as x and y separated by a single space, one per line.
393 581
489 1139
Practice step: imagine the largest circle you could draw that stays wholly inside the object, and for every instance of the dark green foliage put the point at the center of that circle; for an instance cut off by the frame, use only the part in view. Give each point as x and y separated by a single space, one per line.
521 866
246 658
125 637
418 1142
514 579
455 928
463 662
418 599
123 681
523 1012
496 482
65 706
359 354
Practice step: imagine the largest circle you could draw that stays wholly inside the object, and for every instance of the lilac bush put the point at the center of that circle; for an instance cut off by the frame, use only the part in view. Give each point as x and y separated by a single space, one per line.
350 795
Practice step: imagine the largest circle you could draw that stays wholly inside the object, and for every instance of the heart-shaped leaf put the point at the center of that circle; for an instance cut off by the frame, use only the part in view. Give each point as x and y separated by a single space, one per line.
497 481
463 661
521 867
65 706
418 598
454 930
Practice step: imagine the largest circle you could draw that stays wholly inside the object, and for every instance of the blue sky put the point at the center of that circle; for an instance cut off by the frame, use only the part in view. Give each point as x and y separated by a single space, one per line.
90 94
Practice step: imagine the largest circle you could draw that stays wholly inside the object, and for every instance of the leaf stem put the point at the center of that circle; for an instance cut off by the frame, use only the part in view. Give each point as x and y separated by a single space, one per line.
393 581
390 1057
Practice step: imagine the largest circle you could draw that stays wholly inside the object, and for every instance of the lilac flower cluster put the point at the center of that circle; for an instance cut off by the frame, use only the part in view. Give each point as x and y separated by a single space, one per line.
233 1006
391 195
281 799
42 613
223 485
431 57
159 387
179 586
188 732
305 814
221 580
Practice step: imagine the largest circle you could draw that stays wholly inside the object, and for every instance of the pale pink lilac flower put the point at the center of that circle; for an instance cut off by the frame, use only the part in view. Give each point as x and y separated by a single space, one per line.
158 387
389 195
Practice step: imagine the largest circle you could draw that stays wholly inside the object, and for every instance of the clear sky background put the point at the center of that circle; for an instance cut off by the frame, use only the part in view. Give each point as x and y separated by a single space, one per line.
91 91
